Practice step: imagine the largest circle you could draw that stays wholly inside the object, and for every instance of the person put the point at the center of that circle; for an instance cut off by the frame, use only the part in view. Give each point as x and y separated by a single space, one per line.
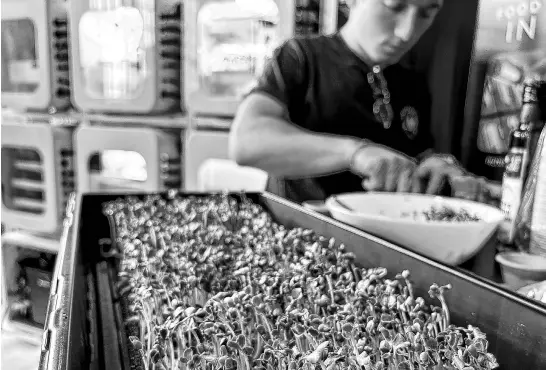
338 113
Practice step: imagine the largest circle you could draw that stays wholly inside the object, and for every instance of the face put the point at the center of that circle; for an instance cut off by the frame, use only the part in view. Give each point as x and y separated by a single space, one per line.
384 30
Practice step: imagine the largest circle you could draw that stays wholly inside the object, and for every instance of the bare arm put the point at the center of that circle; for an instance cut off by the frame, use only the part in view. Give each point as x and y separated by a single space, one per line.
263 137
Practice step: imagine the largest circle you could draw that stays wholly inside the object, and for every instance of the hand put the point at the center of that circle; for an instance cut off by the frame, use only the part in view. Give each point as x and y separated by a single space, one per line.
431 175
470 187
383 169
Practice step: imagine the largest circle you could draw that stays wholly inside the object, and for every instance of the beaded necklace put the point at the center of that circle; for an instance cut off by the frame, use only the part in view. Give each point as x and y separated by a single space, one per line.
382 108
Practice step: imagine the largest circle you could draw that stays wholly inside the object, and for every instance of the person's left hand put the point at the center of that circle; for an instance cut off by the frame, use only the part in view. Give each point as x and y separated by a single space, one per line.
432 174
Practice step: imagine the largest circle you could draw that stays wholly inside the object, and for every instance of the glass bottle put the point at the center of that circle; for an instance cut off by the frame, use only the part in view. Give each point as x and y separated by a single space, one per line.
522 147
513 181
534 112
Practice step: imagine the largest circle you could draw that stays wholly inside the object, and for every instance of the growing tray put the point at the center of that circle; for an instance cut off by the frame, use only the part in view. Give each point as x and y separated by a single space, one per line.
83 322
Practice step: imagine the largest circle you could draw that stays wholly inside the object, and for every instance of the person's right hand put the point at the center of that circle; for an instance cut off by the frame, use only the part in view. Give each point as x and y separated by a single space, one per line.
478 189
383 169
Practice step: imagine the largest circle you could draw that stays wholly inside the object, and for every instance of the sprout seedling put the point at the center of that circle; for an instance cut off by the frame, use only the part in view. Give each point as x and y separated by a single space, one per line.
216 284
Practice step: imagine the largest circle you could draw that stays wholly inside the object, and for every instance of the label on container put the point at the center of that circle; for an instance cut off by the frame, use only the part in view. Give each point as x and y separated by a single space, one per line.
510 202
512 187
515 165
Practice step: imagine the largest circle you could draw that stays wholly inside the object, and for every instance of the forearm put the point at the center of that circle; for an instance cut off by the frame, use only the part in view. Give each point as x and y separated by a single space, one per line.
286 150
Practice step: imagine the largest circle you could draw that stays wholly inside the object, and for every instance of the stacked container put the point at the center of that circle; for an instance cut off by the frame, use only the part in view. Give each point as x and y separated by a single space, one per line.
126 55
35 72
126 63
37 173
37 180
37 151
132 72
127 159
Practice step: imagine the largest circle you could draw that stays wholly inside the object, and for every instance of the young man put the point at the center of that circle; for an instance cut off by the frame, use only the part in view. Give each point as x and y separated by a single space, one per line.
334 114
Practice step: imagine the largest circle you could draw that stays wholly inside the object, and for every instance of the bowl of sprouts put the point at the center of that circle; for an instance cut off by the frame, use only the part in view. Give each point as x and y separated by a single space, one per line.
446 229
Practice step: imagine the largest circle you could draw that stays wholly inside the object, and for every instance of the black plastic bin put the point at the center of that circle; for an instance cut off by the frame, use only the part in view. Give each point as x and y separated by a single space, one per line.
82 330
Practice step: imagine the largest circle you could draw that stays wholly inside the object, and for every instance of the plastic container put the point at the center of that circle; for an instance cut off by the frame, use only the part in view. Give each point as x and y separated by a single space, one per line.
227 45
16 246
126 56
199 146
35 73
127 158
521 269
226 175
318 17
37 175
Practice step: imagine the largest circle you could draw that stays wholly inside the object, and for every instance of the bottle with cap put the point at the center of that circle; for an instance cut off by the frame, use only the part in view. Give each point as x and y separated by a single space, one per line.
534 112
522 147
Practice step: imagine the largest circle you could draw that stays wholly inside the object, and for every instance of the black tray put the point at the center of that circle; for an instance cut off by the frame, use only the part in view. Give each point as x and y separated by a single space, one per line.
515 326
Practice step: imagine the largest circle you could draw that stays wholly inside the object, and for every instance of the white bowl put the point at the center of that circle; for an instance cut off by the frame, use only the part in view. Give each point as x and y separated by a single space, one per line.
452 243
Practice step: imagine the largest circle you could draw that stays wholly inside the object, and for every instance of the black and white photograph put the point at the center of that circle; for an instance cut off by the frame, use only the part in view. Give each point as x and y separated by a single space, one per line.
273 185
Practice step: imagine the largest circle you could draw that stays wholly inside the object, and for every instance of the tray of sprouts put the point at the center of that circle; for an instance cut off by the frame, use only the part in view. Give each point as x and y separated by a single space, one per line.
213 282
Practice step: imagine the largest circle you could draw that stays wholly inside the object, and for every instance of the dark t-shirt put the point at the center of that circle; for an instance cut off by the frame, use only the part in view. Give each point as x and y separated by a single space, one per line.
324 87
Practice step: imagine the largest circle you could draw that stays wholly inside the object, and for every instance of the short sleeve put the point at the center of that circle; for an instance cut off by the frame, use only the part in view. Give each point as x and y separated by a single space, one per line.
284 76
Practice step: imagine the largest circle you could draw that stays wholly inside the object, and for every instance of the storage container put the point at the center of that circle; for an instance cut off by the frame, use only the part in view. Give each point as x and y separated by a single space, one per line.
37 174
35 62
126 55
